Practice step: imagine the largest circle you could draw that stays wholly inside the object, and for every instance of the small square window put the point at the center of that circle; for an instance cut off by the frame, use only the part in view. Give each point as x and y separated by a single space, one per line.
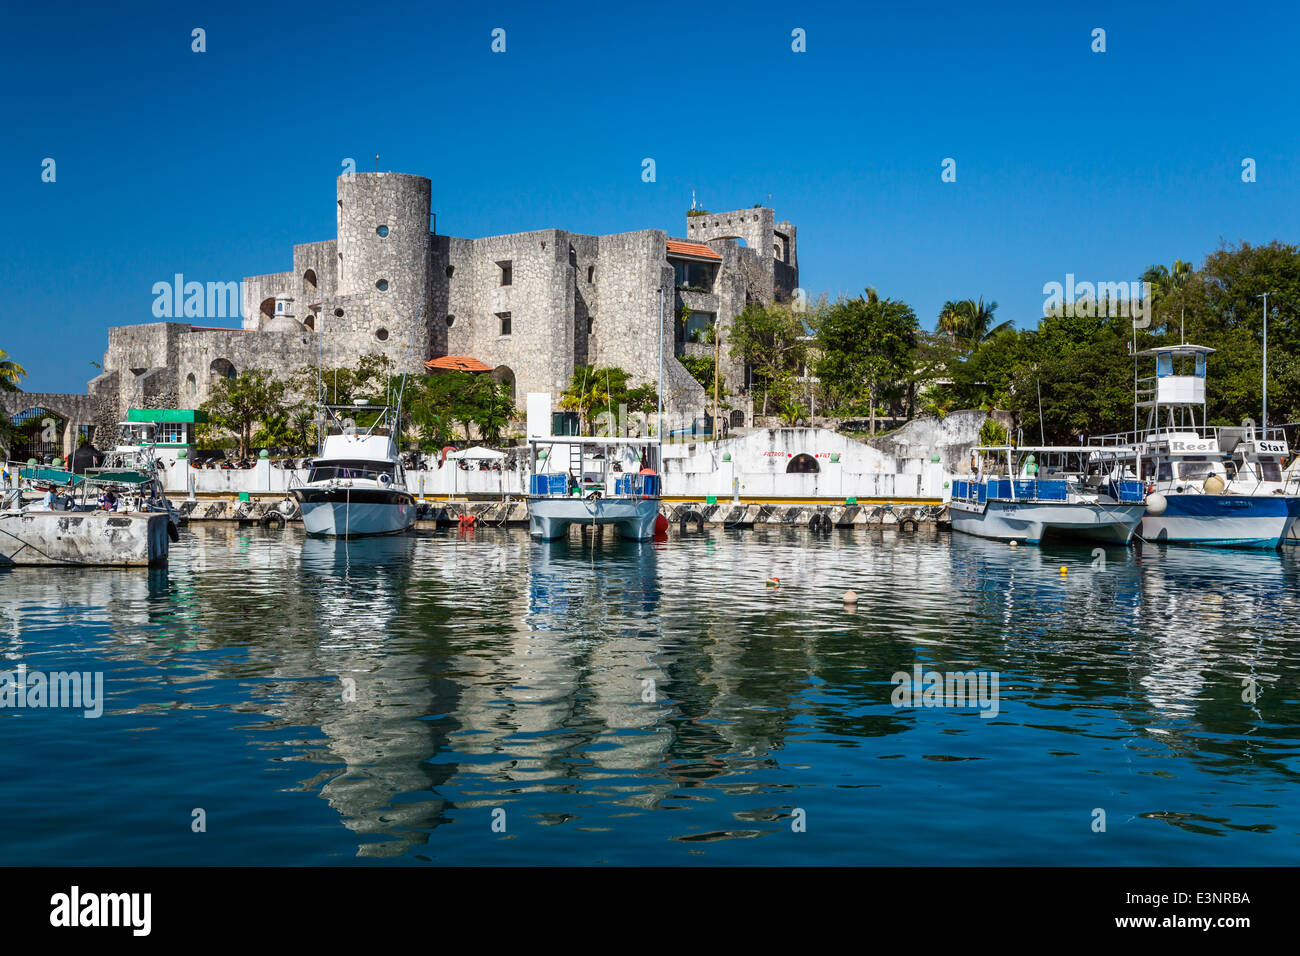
504 318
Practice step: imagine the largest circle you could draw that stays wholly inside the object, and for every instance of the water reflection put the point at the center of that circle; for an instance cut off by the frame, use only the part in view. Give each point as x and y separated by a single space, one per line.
420 681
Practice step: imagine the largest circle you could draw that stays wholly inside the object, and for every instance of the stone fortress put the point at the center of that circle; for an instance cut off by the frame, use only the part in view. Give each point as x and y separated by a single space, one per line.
530 306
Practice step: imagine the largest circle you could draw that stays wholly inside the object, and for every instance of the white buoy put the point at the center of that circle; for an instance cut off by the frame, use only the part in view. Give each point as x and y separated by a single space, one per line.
1014 543
851 597
1213 485
1156 504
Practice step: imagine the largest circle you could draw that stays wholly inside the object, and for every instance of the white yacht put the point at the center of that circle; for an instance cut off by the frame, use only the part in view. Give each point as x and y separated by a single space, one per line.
1206 485
356 486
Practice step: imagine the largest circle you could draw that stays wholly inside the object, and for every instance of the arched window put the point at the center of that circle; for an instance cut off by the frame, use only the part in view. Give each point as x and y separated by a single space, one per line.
268 310
309 283
505 376
802 465
191 386
222 368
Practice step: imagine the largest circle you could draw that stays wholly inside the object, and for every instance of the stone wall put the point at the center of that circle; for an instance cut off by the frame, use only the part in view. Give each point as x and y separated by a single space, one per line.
388 285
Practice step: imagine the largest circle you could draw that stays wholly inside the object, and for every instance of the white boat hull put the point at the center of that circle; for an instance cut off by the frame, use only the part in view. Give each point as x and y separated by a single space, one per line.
1032 521
634 518
344 519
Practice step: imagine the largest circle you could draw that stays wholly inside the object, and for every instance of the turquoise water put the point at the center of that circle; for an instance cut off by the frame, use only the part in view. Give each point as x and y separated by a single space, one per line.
387 700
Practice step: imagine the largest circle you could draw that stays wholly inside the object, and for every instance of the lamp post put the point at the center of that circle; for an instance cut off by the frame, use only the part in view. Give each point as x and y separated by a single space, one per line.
1264 416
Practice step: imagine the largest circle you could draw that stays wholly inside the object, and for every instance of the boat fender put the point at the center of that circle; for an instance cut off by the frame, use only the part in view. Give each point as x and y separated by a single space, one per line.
691 517
908 524
1213 485
1156 504
273 519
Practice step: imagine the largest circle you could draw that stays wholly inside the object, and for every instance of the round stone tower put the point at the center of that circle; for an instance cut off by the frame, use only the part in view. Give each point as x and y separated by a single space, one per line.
384 262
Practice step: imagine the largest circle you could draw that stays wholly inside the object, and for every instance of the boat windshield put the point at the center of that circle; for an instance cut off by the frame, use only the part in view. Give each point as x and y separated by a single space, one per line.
1196 470
371 470
1265 469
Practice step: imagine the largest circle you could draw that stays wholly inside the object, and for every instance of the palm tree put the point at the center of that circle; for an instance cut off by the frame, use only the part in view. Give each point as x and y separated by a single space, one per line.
969 322
980 327
11 373
1167 287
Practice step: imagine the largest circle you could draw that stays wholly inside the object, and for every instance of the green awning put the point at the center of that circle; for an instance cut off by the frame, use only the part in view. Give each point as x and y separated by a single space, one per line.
189 416
55 476
119 478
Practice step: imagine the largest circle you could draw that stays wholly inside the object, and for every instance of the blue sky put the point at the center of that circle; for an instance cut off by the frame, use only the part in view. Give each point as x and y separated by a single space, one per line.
214 164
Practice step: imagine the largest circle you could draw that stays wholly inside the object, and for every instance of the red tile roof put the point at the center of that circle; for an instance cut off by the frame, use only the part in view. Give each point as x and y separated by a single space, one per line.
679 248
456 363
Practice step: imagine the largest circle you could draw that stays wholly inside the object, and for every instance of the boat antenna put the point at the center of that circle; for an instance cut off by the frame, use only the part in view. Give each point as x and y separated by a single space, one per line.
659 419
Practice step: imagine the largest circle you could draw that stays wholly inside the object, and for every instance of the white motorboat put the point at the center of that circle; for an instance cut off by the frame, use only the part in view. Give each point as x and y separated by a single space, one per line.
356 486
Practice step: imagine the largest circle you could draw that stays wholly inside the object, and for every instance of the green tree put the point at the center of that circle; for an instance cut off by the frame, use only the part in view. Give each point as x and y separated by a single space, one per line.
866 347
369 379
701 369
437 403
593 390
238 404
773 341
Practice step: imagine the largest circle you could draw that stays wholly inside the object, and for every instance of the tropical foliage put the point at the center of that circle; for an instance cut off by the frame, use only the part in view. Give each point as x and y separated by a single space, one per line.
594 390
11 373
240 403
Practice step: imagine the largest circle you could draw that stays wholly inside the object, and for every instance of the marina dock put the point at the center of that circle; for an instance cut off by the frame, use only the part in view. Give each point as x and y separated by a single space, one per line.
83 538
683 515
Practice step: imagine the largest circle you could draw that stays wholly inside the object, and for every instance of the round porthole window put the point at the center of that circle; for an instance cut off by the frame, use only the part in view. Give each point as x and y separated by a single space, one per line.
381 334
382 231
339 313
382 285
451 320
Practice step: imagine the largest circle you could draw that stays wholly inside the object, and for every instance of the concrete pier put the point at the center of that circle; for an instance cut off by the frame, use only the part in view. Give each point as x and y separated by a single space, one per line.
95 538
681 515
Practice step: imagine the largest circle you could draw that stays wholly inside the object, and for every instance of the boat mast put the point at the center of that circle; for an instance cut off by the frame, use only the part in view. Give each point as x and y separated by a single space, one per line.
659 420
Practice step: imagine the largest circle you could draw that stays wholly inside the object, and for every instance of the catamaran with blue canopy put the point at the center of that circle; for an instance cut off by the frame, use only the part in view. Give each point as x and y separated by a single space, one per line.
1030 493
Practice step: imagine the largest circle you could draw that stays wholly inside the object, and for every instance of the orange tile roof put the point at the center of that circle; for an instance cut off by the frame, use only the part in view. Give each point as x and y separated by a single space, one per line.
680 248
456 363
